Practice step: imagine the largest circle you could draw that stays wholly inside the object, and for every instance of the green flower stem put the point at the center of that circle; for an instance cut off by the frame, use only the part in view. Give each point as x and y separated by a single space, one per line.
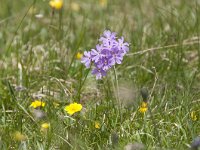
117 97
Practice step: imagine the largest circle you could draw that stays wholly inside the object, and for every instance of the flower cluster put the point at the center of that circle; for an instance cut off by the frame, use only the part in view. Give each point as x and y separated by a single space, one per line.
109 52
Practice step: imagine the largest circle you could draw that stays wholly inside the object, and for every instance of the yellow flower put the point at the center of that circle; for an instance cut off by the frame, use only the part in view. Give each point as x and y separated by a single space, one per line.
193 116
56 4
75 6
79 55
73 108
37 103
103 3
143 108
97 125
45 125
18 136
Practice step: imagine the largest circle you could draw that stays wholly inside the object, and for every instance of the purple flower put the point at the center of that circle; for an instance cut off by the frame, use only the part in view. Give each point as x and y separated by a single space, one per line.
86 59
106 52
110 45
107 34
96 54
109 52
105 63
108 38
117 56
124 46
99 72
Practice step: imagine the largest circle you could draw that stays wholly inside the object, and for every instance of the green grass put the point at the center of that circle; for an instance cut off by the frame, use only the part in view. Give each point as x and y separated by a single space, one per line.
39 54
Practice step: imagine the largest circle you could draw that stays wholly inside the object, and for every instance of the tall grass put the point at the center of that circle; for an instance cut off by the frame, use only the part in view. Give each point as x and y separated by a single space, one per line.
38 48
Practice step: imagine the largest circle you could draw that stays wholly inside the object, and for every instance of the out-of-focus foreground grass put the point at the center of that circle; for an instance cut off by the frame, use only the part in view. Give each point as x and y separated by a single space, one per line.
38 49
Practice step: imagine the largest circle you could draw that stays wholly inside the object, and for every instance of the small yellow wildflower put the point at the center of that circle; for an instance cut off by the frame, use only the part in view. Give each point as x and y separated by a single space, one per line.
103 3
37 103
79 55
75 6
193 116
18 136
143 108
73 108
56 4
45 125
97 125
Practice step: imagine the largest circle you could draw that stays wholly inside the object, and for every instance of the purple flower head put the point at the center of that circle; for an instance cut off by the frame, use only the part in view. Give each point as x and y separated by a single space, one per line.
86 59
109 52
110 45
123 46
96 54
109 35
108 38
117 56
106 52
105 63
99 72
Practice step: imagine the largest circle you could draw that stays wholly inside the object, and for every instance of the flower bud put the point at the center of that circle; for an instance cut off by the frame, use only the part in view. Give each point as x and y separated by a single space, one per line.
145 94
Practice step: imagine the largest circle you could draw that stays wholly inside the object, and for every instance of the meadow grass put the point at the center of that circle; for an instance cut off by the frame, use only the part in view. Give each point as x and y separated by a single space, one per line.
38 47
